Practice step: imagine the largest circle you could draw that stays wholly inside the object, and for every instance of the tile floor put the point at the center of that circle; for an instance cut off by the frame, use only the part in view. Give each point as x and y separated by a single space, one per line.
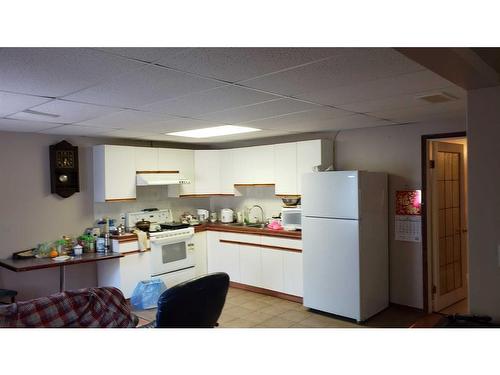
244 309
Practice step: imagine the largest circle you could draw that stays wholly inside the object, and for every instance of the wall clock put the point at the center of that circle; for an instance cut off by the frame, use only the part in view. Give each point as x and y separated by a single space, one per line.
64 178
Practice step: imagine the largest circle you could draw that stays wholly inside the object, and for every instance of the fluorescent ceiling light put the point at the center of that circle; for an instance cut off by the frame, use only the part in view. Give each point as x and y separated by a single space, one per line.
215 131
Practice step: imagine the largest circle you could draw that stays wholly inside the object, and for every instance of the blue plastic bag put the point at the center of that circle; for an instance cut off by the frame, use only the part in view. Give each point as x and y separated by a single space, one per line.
146 294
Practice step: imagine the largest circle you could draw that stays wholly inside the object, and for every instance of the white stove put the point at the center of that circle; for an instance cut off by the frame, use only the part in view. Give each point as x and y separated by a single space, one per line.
172 256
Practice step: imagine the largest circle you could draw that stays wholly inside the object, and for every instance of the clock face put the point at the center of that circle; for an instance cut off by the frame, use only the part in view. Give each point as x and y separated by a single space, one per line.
65 159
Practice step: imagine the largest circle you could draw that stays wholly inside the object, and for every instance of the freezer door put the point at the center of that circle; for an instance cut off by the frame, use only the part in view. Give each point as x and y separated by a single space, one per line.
331 266
330 194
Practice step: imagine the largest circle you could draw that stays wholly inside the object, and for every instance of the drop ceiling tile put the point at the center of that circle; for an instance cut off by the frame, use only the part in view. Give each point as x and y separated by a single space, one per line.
147 85
12 103
180 124
57 71
258 111
353 66
127 134
144 53
236 64
315 121
396 102
422 112
380 88
128 119
9 125
69 112
85 131
217 99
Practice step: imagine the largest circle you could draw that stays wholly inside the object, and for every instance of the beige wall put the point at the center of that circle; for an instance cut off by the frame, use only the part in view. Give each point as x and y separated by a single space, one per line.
483 128
396 151
30 214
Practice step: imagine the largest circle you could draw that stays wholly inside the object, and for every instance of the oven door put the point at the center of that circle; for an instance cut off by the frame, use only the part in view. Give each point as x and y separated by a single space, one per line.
169 256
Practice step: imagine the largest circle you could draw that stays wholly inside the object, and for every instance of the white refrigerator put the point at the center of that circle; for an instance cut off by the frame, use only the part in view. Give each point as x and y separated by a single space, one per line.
345 243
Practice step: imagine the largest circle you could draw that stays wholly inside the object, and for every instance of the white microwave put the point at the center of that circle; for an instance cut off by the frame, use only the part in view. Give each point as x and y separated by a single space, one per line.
291 218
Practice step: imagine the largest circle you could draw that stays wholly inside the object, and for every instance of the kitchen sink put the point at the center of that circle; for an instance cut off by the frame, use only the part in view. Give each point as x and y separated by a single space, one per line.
251 225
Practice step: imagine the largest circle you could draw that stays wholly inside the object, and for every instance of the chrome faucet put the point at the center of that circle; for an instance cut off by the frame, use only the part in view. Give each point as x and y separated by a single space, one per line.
261 211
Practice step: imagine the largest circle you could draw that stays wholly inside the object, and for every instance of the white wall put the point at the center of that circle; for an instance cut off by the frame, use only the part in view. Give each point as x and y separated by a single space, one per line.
483 130
396 151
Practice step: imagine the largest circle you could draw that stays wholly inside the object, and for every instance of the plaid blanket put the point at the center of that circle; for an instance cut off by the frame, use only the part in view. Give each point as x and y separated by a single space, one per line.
90 307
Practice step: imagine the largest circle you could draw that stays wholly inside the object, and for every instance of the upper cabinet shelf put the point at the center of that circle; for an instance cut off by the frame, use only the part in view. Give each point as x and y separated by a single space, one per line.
211 172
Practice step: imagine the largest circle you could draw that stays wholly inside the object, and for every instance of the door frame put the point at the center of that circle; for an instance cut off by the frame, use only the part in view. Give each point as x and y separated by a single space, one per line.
424 155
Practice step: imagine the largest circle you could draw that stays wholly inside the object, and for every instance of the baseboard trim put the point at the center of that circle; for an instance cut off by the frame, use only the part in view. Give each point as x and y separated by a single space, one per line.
268 292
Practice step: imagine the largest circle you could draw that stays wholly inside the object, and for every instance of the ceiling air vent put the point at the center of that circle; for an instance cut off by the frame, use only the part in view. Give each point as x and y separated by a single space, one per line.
439 97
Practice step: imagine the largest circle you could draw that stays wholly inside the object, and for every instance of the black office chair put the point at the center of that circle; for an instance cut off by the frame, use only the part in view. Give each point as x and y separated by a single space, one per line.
196 303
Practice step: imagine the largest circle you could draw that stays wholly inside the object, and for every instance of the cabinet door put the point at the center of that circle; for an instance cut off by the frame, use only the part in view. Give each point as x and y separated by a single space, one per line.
146 158
207 172
292 271
227 179
223 257
119 173
170 159
308 156
250 265
200 253
262 165
133 268
285 169
243 165
272 269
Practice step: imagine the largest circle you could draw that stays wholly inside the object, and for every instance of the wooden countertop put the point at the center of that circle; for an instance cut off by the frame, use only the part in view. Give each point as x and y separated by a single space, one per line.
22 265
218 227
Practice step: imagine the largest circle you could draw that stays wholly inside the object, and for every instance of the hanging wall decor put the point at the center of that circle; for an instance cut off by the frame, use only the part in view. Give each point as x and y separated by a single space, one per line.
64 178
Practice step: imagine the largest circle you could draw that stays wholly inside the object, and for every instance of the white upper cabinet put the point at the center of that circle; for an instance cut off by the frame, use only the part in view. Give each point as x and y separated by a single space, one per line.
146 158
318 152
114 173
285 168
254 165
226 158
170 159
207 168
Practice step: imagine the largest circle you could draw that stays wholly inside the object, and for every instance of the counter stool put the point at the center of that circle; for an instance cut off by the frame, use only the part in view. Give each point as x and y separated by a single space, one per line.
8 293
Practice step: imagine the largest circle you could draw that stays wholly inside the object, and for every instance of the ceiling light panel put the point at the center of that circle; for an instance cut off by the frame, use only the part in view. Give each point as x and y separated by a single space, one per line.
216 131
57 71
236 64
148 85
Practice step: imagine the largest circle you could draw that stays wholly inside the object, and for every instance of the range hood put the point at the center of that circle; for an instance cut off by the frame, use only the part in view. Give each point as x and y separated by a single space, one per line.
150 179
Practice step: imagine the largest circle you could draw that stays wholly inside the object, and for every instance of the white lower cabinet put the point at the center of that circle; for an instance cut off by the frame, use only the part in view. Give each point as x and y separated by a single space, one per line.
200 253
250 265
124 273
272 269
248 261
292 273
223 257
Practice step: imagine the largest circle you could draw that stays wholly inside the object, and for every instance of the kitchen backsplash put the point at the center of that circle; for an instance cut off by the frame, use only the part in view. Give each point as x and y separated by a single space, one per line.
156 196
263 196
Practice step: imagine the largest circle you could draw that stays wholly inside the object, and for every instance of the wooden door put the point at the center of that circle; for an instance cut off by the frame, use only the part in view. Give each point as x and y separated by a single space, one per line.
449 241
